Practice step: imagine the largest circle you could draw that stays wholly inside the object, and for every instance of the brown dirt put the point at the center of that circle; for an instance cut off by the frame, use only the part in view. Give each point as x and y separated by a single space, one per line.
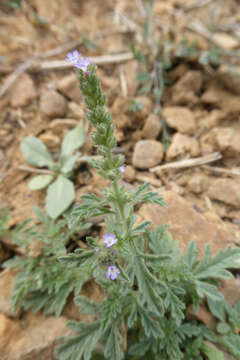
208 96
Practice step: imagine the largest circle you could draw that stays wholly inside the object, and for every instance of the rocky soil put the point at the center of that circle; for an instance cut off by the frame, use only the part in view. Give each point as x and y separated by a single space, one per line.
200 106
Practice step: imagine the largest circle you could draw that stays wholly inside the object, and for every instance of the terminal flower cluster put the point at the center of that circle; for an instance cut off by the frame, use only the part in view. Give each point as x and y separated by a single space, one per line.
78 61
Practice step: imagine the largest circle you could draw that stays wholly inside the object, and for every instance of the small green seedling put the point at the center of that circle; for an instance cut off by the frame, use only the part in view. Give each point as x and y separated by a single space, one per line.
60 192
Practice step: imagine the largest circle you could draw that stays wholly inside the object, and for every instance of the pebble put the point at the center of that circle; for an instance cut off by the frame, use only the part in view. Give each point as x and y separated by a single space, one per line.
197 184
22 92
182 144
152 127
147 154
53 104
226 191
69 87
227 139
180 119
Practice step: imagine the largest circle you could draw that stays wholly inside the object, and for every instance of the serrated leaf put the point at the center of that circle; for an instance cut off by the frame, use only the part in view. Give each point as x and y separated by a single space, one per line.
217 267
207 290
60 195
40 182
80 347
86 305
73 140
113 349
217 308
35 152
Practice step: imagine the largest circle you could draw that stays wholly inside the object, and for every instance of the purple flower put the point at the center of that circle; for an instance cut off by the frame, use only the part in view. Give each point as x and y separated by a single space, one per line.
112 272
77 61
96 250
109 240
122 169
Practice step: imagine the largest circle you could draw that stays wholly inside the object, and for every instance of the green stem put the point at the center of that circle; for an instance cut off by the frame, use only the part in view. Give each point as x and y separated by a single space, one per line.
120 206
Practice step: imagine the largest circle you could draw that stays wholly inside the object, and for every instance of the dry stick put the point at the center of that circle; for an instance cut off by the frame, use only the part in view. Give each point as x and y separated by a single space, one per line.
189 162
219 170
36 171
98 60
197 4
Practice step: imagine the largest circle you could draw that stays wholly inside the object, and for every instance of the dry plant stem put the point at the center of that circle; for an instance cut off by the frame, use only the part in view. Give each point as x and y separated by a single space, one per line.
98 60
36 171
219 170
189 162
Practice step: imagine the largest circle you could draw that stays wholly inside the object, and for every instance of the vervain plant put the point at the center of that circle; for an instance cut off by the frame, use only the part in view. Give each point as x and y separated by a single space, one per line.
148 283
60 194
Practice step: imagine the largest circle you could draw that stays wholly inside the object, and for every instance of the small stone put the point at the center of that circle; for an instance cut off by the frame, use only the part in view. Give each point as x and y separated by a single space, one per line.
146 107
58 125
53 104
198 183
180 145
225 40
147 153
6 288
231 290
22 92
69 87
75 111
152 127
203 315
50 140
226 191
129 173
227 140
230 78
9 331
185 91
180 119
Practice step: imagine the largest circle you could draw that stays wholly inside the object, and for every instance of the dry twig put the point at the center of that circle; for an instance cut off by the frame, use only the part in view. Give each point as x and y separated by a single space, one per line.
189 162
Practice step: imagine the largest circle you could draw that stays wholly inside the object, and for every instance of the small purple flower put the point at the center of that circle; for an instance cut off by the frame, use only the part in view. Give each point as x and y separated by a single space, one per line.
112 272
109 240
122 169
77 61
96 250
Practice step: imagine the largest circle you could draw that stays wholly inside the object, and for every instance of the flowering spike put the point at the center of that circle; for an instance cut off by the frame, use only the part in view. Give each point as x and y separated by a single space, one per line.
113 272
77 61
109 240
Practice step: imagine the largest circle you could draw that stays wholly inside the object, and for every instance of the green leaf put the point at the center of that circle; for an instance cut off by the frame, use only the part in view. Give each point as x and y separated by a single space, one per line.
73 140
60 195
212 352
216 267
40 182
207 290
217 308
68 163
86 305
148 289
192 254
35 152
113 349
80 347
